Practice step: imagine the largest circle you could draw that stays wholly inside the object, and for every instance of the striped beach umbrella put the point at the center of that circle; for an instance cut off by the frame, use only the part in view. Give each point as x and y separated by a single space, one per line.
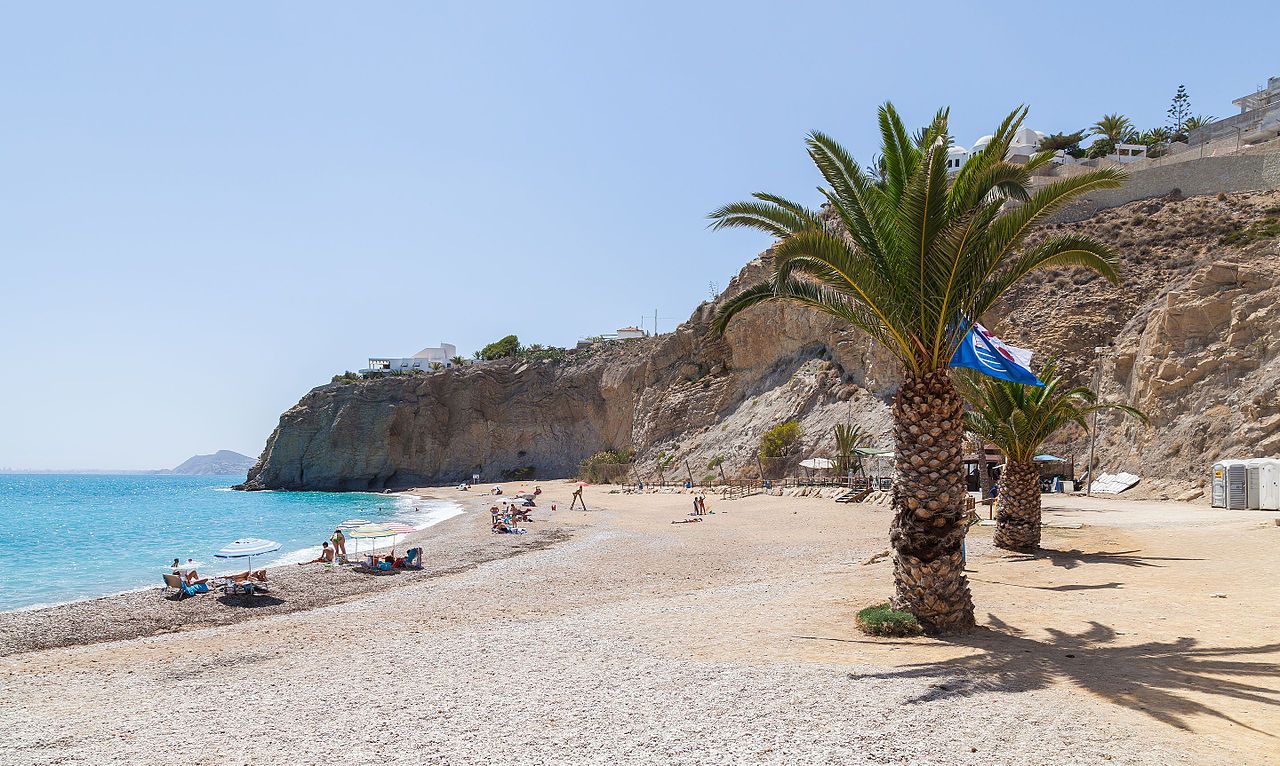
373 533
399 528
353 523
247 548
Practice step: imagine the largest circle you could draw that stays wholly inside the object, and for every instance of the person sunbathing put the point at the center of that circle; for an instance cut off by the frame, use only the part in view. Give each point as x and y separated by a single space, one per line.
260 575
326 556
387 562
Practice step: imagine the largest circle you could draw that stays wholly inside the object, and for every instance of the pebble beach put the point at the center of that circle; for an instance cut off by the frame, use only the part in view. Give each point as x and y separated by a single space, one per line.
614 636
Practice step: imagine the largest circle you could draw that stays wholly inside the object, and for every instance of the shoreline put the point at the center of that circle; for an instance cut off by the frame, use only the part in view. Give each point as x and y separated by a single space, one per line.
214 568
452 544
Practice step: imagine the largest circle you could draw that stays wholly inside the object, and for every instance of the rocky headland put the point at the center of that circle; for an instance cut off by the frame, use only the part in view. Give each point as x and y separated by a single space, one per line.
1189 337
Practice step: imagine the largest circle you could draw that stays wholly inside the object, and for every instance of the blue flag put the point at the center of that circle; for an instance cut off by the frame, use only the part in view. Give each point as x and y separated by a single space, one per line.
984 352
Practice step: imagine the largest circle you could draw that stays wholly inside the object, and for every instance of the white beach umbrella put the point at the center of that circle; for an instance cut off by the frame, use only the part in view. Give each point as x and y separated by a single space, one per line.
818 463
247 548
353 523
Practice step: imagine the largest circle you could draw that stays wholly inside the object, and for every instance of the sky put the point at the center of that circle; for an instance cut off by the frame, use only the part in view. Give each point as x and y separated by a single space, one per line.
207 209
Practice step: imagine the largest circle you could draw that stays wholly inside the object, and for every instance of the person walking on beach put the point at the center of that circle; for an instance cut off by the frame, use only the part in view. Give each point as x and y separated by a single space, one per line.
577 498
339 541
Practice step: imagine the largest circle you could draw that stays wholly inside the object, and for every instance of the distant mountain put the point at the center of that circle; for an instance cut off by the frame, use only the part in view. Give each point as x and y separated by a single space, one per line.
224 462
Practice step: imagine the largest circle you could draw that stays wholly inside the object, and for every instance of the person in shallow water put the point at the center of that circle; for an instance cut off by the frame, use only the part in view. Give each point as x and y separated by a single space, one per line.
326 556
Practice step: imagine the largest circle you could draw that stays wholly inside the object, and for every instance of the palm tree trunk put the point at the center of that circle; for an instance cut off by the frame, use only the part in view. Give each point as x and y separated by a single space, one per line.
984 471
1018 514
929 505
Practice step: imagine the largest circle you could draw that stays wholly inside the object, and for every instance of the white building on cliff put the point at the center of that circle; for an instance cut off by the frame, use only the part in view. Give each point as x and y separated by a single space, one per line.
420 361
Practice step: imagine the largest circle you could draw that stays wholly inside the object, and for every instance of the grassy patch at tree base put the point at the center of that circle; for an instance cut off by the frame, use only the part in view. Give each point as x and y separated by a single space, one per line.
884 620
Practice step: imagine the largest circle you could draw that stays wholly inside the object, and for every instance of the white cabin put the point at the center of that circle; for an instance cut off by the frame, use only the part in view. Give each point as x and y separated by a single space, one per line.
421 361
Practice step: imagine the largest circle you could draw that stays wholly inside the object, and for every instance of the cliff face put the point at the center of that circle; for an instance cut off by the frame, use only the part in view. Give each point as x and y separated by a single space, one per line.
1189 337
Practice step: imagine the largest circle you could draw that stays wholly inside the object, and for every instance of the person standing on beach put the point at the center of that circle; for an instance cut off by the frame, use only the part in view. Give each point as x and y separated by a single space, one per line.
577 498
339 541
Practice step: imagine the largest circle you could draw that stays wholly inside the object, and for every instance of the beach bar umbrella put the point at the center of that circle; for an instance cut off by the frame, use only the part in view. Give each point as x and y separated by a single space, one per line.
247 548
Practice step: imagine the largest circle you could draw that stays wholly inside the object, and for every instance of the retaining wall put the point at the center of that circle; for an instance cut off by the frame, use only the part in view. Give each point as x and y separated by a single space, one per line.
1211 175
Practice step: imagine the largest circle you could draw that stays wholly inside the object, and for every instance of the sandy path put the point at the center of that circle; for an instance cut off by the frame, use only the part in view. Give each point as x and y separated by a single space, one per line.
727 641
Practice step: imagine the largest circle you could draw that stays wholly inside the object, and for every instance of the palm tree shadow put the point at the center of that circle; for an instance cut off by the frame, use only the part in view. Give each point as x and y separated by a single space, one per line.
1055 588
1152 678
1075 557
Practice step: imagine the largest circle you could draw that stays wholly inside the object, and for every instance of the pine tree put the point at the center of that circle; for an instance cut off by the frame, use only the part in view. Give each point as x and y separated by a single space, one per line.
1179 113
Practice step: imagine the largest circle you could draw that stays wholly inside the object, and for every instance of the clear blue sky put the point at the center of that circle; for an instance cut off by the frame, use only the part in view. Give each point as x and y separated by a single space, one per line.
208 208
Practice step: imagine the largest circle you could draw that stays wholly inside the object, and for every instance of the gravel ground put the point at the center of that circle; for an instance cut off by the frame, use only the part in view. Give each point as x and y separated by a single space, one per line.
625 642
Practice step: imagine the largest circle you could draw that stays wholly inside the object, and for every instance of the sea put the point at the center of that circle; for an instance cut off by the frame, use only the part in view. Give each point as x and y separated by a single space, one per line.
70 537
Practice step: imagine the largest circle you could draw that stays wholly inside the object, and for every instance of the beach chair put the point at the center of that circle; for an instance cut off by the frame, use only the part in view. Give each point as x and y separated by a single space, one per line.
413 558
172 582
182 588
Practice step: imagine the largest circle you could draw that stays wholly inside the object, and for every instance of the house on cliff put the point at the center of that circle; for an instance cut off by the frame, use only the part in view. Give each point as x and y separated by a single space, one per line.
420 361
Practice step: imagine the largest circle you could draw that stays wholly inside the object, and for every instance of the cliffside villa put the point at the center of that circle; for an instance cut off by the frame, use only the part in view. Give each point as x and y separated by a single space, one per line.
420 361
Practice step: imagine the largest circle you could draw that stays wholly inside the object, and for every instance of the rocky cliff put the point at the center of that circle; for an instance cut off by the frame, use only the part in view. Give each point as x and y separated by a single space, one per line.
1189 337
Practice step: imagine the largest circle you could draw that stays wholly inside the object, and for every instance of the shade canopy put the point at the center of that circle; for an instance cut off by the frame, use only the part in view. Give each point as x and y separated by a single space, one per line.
372 531
249 546
818 463
873 451
400 528
1049 459
353 523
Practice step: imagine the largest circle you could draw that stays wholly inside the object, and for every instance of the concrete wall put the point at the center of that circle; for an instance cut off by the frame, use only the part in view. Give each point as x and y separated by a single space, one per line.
1211 175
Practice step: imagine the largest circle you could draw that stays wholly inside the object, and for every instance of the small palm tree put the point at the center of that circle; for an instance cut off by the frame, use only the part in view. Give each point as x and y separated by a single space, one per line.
457 361
1197 121
1155 137
1113 127
913 256
1018 419
436 366
848 437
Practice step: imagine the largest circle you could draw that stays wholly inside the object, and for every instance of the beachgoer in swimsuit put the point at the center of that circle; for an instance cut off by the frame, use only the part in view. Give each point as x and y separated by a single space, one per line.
339 541
326 556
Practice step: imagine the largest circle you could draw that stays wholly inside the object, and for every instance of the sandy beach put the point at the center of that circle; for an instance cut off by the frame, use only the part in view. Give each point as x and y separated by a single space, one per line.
1145 633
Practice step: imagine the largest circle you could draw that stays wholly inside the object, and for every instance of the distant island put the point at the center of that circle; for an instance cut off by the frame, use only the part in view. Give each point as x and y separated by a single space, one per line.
224 462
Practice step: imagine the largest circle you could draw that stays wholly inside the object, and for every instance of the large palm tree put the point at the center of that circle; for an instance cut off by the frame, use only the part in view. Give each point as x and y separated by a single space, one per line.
1018 419
913 256
1113 127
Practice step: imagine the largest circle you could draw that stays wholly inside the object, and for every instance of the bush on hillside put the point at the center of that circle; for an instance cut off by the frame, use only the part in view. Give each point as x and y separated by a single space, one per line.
503 348
606 467
780 440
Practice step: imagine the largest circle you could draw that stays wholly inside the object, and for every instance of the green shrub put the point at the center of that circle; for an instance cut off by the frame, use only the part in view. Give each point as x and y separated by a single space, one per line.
605 467
503 348
884 620
780 440
1267 228
523 473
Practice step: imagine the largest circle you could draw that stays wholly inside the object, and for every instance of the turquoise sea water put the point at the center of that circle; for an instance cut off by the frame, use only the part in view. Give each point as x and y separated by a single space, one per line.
71 537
